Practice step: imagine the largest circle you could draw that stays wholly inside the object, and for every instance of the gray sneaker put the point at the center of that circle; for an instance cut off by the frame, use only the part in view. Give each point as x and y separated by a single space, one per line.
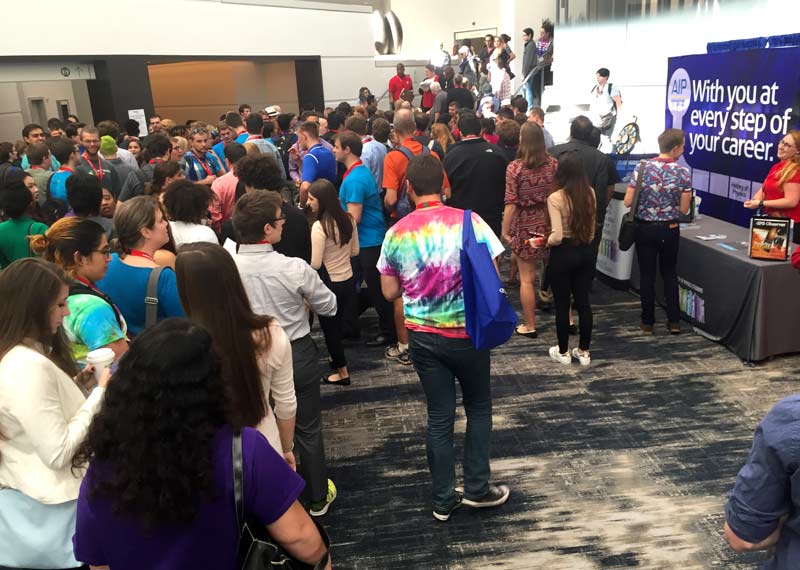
494 497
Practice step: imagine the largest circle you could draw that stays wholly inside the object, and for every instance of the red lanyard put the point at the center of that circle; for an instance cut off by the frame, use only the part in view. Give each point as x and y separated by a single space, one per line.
66 169
86 282
139 253
98 172
349 170
203 164
430 204
254 137
155 161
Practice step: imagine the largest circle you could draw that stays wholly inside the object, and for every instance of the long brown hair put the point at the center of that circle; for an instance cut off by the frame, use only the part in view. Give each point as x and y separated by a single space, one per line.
162 171
792 164
336 223
441 134
213 296
29 288
532 151
571 178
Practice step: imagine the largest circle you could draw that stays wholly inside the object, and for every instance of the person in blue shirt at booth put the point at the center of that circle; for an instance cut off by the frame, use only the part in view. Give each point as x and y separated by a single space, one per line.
318 162
201 166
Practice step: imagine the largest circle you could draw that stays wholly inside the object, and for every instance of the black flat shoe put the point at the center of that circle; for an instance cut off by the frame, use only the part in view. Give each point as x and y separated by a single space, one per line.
343 382
529 334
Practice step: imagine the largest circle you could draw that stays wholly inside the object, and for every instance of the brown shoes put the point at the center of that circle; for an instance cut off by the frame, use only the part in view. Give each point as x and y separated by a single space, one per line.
646 329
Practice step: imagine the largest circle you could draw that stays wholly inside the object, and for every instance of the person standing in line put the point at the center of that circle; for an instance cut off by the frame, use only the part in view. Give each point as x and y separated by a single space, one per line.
666 193
255 125
16 201
571 268
373 153
94 164
40 158
420 262
529 181
399 84
66 152
201 165
334 240
318 161
187 205
281 287
157 150
530 58
536 115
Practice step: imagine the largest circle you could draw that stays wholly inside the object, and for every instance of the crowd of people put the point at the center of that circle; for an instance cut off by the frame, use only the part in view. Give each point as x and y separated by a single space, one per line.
201 256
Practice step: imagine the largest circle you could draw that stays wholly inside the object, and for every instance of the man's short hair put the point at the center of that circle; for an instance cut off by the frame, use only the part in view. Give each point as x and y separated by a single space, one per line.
508 133
357 124
255 124
581 128
131 127
469 124
285 121
15 198
62 149
506 113
345 108
335 120
603 72
85 194
671 139
422 121
28 129
244 106
538 111
157 146
54 124
520 104
351 140
259 172
528 32
108 128
425 174
234 152
548 27
404 122
252 212
430 67
308 113
90 130
381 129
233 120
37 153
71 130
521 118
310 128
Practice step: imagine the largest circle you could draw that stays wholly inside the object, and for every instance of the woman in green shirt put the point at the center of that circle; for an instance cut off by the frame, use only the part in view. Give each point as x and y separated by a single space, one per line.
15 201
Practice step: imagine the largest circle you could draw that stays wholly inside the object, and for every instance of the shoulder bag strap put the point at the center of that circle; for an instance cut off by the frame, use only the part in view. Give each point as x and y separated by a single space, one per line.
466 228
238 478
151 298
637 191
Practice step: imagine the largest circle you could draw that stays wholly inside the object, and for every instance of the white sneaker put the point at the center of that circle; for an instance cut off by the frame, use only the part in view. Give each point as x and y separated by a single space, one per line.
581 356
558 357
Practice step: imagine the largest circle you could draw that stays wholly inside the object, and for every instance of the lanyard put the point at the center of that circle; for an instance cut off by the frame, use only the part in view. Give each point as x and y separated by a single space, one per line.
66 169
86 282
139 253
430 204
349 170
254 137
202 163
155 161
98 172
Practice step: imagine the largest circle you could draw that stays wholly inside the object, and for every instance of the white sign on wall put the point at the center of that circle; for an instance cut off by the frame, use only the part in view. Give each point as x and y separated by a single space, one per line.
139 116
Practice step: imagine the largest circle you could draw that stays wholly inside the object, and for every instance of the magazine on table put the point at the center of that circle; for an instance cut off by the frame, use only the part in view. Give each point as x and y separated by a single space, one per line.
770 238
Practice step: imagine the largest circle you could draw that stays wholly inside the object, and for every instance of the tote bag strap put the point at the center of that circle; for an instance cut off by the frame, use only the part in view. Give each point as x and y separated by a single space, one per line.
467 231
637 191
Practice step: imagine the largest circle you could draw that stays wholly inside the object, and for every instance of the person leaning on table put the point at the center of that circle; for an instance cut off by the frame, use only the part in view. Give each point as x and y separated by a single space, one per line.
780 194
666 193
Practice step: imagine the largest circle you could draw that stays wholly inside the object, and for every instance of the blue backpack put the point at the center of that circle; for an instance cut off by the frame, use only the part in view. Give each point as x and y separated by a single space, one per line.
489 315
404 205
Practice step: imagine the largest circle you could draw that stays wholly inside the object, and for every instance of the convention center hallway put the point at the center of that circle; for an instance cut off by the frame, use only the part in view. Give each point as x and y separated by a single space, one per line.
623 464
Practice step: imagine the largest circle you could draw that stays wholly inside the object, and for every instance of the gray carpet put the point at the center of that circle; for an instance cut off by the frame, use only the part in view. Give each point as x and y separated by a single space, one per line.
624 464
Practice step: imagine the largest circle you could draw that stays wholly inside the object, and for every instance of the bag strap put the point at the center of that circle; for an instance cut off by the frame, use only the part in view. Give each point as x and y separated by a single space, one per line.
151 298
637 191
467 232
238 479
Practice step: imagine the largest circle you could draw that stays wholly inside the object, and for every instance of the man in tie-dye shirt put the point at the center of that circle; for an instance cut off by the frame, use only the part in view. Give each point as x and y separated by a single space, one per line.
421 260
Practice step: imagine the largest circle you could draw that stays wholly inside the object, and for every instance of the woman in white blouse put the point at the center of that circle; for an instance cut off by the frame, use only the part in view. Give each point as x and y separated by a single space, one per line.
44 417
187 205
255 351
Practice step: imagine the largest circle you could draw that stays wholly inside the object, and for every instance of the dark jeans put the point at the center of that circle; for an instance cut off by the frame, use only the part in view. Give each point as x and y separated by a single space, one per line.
657 243
332 326
368 258
438 361
571 270
309 446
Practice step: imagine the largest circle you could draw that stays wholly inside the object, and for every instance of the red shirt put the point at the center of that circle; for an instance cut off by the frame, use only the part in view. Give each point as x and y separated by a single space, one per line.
399 84
773 191
428 96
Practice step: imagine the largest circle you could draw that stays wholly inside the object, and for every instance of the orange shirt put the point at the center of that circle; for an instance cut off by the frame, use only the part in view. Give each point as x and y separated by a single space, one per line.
395 164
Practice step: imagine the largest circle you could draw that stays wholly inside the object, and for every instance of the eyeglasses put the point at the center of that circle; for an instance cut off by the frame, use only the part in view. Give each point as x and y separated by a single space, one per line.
105 252
787 145
278 219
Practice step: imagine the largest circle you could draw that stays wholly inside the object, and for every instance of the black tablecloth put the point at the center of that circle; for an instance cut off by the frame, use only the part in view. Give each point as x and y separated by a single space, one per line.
750 306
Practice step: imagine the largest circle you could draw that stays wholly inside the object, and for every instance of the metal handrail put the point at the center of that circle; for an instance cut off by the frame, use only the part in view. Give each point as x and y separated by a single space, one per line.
539 67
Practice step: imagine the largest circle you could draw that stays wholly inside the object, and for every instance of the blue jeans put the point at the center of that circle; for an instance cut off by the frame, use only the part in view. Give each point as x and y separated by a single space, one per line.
528 92
438 361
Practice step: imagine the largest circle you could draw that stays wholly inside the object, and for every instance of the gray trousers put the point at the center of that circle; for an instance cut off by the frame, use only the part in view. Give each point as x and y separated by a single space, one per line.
309 447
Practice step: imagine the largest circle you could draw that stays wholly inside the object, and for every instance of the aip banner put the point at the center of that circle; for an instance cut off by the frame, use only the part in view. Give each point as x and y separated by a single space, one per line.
735 108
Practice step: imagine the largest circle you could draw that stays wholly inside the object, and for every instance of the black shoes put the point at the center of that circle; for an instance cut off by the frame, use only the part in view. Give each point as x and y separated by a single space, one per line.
494 497
380 340
444 515
343 382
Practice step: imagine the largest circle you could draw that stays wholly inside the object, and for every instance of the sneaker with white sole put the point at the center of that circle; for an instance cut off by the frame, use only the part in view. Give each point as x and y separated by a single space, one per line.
581 356
320 508
494 497
444 514
393 352
558 357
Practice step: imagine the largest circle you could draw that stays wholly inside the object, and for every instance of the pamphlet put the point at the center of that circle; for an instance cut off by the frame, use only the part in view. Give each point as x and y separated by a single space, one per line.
770 238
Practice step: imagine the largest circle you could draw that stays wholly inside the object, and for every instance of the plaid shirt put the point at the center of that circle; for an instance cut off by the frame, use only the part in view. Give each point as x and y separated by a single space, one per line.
542 46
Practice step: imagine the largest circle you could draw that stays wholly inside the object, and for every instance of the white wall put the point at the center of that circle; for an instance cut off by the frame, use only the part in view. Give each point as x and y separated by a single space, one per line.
636 52
15 110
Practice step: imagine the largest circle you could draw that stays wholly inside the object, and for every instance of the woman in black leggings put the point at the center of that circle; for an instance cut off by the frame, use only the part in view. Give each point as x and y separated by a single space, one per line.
571 268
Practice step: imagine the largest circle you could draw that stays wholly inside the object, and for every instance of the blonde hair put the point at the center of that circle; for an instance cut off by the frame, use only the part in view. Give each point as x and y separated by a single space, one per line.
441 133
252 149
793 164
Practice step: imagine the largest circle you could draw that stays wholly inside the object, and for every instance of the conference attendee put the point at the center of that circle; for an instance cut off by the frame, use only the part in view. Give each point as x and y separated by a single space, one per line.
201 165
224 187
15 202
318 162
157 150
780 194
758 513
439 106
255 352
94 164
154 125
422 123
443 137
66 152
570 270
544 49
111 154
32 134
599 168
187 206
425 87
108 205
529 182
486 53
536 115
466 65
666 193
477 173
373 153
508 139
365 97
182 514
399 84
335 122
85 196
141 231
281 287
164 174
255 125
460 94
40 159
80 248
112 129
55 127
530 58
44 416
245 111
334 240
606 102
420 261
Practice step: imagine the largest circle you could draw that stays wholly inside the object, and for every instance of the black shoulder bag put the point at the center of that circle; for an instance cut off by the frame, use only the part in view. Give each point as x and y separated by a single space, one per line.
627 231
257 550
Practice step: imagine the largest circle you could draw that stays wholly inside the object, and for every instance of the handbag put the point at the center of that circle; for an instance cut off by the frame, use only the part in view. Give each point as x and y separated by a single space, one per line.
627 230
490 318
256 549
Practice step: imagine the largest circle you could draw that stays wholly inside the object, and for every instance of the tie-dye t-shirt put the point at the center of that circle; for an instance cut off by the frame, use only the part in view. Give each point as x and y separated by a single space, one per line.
423 250
91 324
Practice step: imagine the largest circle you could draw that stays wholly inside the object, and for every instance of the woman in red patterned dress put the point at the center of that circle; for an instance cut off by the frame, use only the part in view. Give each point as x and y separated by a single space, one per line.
529 181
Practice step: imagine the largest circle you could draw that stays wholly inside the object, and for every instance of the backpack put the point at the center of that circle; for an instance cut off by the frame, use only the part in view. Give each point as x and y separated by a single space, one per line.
606 121
404 205
283 144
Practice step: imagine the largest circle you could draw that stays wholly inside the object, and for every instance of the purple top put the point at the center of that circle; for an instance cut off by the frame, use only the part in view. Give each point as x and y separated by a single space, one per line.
270 488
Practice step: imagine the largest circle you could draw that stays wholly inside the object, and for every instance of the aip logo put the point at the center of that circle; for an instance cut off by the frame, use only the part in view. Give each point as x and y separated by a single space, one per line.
679 95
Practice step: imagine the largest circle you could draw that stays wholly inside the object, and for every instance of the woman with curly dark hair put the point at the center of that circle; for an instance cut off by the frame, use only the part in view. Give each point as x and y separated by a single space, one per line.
159 489
187 205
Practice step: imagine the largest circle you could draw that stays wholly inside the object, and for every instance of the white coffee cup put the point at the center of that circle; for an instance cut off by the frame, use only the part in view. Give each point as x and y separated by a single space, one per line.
101 359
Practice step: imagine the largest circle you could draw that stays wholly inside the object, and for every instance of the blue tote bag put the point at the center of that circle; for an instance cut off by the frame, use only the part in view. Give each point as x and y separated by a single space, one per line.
490 317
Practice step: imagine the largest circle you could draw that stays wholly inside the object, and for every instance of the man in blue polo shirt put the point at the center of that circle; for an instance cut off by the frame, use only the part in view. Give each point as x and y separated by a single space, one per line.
318 162
359 196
